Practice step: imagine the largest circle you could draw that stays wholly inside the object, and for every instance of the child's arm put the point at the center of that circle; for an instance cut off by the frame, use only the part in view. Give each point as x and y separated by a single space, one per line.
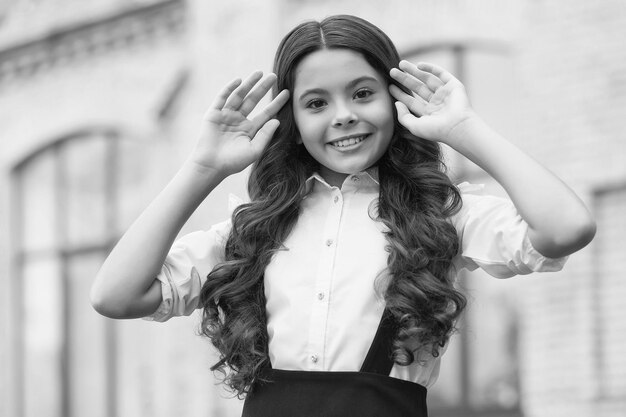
125 286
559 223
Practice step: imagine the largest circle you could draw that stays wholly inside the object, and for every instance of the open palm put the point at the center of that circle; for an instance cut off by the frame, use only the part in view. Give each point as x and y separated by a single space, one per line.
438 104
230 140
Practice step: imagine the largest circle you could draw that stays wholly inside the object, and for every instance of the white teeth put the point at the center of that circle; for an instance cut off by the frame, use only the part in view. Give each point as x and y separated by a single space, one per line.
348 142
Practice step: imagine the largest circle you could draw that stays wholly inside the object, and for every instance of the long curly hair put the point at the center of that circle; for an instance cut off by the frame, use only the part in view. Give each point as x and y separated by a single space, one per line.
416 201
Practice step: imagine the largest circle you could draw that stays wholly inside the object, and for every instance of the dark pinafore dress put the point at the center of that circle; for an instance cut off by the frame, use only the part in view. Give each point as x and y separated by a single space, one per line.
370 392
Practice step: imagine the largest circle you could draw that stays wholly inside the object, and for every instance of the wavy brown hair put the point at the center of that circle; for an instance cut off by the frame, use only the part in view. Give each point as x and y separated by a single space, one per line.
416 201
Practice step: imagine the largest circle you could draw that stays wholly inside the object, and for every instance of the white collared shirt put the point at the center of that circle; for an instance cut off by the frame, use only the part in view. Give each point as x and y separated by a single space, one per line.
323 303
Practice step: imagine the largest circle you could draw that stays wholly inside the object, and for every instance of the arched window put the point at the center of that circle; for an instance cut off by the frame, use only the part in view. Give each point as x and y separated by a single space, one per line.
67 211
480 372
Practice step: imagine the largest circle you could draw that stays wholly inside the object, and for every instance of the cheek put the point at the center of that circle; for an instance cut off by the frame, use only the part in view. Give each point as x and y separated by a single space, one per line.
310 126
384 118
387 129
390 117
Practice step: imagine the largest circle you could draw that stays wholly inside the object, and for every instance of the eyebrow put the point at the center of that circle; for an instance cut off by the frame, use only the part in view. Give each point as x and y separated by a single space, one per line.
350 85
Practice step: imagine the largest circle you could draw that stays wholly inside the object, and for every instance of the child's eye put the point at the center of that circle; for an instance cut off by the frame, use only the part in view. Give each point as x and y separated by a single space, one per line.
315 104
363 93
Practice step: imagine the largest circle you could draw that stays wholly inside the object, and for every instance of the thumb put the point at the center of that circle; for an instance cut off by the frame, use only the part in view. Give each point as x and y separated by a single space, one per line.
264 135
405 117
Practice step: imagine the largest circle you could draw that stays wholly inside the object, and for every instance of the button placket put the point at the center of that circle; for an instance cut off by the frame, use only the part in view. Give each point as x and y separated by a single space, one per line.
316 345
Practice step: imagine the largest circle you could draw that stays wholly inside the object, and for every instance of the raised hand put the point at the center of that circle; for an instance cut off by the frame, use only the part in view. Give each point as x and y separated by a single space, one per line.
229 140
439 103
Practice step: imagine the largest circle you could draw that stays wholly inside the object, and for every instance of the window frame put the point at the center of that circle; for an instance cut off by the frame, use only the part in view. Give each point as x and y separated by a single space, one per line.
63 252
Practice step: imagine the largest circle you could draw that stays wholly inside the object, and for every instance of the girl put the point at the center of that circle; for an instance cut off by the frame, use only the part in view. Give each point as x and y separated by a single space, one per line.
331 293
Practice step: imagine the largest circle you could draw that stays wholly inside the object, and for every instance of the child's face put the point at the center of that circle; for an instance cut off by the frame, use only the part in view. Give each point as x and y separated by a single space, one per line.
343 110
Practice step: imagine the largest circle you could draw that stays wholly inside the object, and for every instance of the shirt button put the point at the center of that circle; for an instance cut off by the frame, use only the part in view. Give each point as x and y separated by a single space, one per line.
314 358
336 199
329 242
320 296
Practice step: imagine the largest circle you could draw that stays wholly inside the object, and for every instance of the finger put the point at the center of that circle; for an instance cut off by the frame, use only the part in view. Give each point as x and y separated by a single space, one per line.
221 98
431 80
411 83
264 135
436 70
236 97
405 117
271 109
277 103
258 92
416 104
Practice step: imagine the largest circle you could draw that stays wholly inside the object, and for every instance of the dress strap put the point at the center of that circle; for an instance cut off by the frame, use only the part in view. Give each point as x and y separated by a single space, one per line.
379 359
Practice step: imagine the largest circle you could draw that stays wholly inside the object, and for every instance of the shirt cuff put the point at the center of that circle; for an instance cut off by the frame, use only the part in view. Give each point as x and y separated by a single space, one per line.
538 262
527 261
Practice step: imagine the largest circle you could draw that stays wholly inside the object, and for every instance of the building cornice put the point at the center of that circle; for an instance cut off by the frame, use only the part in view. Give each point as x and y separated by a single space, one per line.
79 41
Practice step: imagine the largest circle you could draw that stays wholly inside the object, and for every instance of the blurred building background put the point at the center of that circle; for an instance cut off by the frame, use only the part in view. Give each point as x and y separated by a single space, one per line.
100 102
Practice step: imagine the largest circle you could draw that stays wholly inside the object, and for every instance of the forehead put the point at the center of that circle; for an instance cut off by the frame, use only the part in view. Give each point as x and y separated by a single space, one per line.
331 67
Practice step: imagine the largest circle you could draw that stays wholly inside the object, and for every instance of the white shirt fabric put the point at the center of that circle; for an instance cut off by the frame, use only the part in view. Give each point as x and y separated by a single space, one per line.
323 303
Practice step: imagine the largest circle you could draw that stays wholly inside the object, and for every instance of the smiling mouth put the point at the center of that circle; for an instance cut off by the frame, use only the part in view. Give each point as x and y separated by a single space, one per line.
352 140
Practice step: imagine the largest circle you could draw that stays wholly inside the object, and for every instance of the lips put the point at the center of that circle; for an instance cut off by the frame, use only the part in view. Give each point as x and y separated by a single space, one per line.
348 140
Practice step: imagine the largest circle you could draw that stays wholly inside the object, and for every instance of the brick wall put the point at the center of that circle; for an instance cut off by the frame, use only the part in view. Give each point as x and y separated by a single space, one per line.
572 83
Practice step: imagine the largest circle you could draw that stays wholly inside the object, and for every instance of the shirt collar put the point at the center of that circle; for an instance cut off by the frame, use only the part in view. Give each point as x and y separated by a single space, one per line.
370 174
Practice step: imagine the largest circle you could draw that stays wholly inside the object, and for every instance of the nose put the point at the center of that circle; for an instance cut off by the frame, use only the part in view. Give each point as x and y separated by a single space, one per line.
344 116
